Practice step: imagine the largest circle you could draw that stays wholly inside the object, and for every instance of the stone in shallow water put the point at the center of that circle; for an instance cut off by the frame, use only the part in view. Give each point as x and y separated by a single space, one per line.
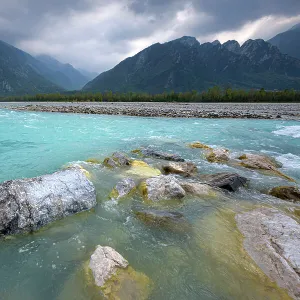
288 193
186 169
198 189
198 145
264 163
227 181
162 188
28 204
173 221
118 159
123 188
218 156
143 170
116 279
159 154
272 239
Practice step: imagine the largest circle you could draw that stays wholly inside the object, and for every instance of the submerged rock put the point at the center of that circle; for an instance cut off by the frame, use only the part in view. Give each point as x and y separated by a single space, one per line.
93 161
218 155
28 204
264 163
182 168
162 188
158 154
118 159
198 145
115 278
227 181
272 239
198 189
166 219
141 169
123 188
289 193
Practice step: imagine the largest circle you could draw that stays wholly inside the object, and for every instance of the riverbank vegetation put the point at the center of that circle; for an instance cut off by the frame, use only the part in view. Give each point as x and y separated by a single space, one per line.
215 94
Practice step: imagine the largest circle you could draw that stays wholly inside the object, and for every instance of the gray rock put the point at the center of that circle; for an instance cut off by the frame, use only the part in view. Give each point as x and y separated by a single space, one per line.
121 159
166 219
162 155
272 239
198 189
28 204
186 169
163 188
123 188
104 263
227 181
218 156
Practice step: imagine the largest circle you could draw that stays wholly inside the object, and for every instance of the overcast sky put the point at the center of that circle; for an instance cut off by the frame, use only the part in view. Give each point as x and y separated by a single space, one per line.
97 34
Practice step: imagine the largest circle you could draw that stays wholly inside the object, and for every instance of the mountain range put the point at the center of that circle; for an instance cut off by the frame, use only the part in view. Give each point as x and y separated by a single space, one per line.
179 65
21 73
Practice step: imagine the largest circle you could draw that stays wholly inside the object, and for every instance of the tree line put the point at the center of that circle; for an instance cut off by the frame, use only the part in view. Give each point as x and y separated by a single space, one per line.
214 94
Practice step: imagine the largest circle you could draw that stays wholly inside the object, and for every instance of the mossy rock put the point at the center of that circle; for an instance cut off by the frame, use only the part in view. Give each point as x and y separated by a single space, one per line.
288 193
93 161
198 145
124 188
118 159
142 170
218 156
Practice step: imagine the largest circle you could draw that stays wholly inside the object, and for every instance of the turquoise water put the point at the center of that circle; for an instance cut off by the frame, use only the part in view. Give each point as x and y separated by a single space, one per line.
47 264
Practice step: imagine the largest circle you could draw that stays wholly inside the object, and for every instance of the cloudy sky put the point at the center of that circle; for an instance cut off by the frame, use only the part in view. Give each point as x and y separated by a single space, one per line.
97 34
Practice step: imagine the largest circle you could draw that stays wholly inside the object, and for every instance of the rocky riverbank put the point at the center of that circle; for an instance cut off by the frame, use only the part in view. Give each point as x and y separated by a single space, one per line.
287 111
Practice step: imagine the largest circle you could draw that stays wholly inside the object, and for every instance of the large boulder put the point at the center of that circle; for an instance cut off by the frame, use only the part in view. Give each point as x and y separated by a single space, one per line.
28 204
218 156
186 169
272 239
118 159
170 220
162 188
288 193
115 278
263 163
158 154
227 181
123 188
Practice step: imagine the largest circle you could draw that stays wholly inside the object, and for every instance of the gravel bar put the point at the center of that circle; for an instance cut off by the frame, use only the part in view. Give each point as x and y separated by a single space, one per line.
286 111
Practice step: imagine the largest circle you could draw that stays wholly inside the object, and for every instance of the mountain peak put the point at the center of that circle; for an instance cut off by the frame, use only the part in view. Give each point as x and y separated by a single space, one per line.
296 27
232 46
216 43
189 41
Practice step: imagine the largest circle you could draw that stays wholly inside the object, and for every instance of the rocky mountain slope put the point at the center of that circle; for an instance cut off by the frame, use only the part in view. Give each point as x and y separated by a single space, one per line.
185 64
21 74
288 42
64 75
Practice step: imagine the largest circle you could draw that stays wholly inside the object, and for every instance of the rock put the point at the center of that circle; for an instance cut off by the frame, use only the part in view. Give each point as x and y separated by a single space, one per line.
118 159
28 204
162 188
141 169
123 188
260 162
159 154
198 189
227 181
218 155
289 193
166 219
272 239
93 161
182 168
116 279
198 145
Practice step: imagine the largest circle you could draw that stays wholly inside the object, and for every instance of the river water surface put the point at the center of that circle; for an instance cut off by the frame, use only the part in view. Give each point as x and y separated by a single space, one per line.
206 262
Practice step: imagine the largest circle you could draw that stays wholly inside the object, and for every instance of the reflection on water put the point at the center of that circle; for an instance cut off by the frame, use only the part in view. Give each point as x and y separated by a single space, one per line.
206 261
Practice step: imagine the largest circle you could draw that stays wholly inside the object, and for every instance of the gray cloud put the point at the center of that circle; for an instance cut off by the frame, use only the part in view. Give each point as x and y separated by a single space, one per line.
97 34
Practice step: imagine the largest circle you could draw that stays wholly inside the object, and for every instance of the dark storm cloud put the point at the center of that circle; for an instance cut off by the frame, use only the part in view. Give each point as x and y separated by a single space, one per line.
97 34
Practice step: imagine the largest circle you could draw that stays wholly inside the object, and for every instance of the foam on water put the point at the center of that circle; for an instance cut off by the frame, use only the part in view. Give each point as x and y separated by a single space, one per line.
293 131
